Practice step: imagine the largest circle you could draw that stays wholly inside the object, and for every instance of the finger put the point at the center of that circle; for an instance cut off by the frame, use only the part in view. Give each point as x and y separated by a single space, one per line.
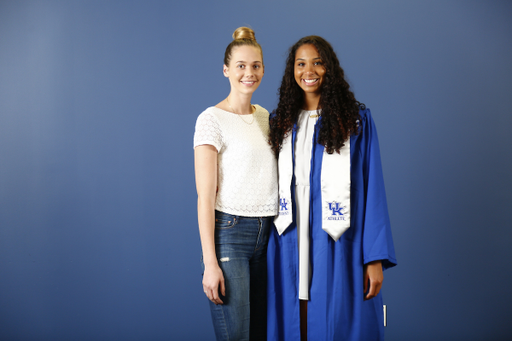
365 283
374 289
219 300
209 295
222 288
378 286
371 291
215 298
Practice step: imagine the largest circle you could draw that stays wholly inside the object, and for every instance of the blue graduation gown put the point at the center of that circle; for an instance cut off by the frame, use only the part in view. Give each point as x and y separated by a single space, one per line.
336 309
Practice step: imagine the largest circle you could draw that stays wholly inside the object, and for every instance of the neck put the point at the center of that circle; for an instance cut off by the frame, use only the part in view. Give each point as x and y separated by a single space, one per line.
311 101
240 103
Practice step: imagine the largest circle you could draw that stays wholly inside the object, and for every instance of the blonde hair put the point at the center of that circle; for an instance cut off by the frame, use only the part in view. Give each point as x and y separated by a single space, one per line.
244 33
241 37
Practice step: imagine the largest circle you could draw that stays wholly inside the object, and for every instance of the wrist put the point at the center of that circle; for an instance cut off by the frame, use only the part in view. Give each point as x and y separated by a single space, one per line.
210 263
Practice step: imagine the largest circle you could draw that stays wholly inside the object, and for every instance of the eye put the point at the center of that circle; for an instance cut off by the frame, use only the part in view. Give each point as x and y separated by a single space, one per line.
241 66
318 63
300 64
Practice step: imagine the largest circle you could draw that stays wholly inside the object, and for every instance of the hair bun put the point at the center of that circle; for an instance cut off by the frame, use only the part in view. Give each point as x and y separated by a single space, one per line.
243 36
244 33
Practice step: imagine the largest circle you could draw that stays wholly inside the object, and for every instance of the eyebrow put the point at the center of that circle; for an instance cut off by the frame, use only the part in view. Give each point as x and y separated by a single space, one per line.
305 59
243 61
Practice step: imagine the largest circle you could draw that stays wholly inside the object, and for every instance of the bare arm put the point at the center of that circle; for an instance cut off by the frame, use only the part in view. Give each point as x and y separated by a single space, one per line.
205 157
374 276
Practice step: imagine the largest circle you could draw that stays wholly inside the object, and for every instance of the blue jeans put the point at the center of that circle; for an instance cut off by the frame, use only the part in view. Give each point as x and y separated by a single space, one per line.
241 247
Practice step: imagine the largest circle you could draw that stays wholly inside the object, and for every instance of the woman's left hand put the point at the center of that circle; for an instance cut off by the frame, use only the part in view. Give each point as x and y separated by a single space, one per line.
373 276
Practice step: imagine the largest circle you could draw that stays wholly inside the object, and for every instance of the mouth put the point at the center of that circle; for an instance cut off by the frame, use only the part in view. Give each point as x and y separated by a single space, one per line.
248 83
311 81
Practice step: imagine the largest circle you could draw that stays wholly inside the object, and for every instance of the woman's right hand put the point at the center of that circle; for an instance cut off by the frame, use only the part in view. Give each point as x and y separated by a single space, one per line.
212 278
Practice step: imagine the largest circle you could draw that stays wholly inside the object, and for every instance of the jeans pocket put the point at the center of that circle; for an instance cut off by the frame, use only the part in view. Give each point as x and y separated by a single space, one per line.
222 224
224 220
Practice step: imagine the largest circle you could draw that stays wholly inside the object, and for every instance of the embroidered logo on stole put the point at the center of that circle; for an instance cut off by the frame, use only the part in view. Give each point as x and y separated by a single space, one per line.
283 207
338 212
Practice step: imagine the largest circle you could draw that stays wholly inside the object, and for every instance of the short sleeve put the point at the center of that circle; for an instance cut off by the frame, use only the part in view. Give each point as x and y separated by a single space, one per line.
208 131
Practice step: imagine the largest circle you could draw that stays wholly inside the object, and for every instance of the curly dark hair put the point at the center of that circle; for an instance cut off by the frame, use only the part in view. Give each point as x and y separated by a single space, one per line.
340 110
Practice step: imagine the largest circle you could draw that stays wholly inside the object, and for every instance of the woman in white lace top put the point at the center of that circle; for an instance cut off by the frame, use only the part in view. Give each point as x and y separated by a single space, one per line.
236 180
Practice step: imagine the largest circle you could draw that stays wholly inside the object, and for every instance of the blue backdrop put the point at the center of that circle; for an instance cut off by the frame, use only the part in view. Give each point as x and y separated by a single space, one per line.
98 101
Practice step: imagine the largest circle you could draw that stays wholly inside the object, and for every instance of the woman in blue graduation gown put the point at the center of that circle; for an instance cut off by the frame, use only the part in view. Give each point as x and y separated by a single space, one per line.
332 238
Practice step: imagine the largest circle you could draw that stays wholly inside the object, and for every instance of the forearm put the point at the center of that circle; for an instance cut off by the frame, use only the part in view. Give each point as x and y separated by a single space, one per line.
213 278
206 219
206 183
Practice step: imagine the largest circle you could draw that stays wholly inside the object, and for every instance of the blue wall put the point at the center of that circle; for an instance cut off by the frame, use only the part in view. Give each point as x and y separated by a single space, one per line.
98 101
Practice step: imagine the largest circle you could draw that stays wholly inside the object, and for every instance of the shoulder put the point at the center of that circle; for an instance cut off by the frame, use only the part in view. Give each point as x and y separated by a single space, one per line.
210 111
365 115
364 112
209 115
260 110
208 129
209 120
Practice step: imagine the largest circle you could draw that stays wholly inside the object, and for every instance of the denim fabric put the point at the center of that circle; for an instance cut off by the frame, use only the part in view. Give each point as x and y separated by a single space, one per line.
241 247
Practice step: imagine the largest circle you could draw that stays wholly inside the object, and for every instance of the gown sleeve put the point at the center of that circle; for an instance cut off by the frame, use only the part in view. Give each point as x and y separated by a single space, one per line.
377 239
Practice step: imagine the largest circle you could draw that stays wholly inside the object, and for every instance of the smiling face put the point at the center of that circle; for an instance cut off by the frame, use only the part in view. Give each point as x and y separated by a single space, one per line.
309 70
245 69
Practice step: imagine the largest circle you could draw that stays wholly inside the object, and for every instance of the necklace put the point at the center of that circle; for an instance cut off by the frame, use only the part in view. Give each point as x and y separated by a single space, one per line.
233 110
316 114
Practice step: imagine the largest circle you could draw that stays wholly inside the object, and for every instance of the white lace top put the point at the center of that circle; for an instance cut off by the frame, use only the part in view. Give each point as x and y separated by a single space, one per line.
247 168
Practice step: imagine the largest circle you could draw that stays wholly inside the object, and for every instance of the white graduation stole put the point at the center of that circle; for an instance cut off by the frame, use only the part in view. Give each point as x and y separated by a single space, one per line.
335 188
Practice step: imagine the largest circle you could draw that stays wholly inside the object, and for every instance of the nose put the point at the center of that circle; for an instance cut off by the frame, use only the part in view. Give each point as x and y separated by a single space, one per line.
309 68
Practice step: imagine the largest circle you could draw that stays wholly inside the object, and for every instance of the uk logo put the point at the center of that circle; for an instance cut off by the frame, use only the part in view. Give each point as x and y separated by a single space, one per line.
282 205
336 211
335 208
